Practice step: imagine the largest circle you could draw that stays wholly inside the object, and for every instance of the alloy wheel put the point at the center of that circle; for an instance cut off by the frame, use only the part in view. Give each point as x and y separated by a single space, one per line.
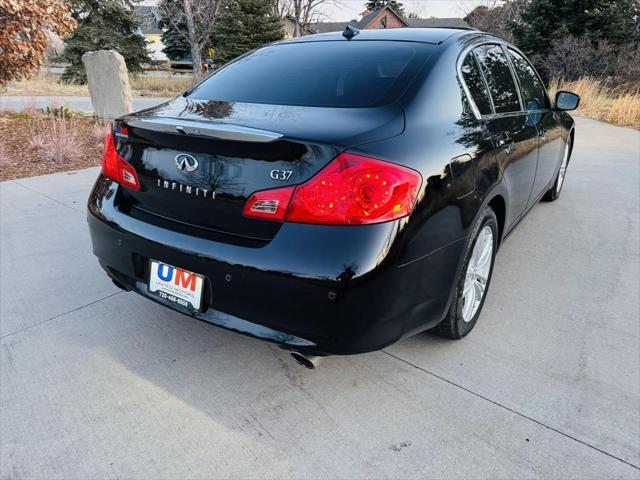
477 275
563 169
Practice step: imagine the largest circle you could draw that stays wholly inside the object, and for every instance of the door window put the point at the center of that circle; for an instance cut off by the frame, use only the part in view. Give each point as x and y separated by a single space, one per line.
533 93
502 87
473 79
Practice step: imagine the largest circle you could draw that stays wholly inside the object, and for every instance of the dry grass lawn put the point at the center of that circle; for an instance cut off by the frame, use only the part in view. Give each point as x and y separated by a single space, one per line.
161 86
620 106
47 83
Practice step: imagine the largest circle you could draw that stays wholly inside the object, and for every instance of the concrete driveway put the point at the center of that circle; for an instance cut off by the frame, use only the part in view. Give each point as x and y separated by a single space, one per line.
96 383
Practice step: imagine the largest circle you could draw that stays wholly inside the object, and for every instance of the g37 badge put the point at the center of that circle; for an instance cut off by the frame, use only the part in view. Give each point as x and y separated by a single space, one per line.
281 174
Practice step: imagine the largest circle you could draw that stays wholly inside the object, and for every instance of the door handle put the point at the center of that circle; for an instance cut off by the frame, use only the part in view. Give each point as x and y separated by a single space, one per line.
505 142
541 133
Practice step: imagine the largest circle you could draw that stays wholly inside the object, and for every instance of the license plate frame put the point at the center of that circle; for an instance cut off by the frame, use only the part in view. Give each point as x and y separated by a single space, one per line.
173 284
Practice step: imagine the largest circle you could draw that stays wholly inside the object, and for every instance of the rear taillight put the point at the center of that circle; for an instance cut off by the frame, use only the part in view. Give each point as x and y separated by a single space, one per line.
116 167
352 189
269 204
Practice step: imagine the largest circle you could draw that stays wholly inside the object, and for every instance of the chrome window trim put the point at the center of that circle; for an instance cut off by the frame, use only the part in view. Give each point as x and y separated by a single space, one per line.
514 77
544 87
474 108
460 60
484 82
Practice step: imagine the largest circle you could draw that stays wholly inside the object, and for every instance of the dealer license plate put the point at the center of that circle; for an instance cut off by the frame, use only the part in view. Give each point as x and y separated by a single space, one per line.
176 285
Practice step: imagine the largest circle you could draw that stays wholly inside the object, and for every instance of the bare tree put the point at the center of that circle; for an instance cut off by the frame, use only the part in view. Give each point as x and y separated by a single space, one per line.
281 8
305 12
496 17
415 8
194 20
572 58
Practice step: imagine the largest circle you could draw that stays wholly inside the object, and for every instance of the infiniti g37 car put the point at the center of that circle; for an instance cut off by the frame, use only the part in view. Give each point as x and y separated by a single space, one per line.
335 193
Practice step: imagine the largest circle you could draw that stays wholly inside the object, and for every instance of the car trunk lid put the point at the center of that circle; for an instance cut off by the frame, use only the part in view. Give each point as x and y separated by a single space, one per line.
199 161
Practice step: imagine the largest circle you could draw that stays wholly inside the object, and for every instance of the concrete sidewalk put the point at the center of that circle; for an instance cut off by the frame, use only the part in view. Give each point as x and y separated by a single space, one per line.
96 383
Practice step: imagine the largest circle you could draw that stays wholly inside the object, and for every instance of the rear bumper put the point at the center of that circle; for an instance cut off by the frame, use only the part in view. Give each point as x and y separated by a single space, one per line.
317 289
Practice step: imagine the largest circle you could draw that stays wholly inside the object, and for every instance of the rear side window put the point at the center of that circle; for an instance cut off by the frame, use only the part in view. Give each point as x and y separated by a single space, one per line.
533 94
473 79
495 67
319 74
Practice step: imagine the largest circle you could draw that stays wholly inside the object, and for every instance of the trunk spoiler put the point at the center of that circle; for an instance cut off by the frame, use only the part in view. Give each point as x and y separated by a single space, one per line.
220 131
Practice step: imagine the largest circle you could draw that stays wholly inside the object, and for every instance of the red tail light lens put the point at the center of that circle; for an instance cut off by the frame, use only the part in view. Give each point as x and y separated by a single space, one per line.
116 167
351 190
354 190
269 204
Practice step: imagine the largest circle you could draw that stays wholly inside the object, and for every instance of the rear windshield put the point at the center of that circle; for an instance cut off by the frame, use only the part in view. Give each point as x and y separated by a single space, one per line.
319 74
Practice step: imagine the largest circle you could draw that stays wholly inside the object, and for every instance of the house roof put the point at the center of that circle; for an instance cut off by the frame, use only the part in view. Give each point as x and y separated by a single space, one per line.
324 27
367 19
149 17
437 23
309 29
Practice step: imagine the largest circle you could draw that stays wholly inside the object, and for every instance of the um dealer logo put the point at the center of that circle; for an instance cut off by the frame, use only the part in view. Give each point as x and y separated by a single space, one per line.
178 277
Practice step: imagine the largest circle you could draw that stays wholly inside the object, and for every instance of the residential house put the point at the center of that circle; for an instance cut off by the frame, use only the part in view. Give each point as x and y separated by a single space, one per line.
386 17
150 29
289 27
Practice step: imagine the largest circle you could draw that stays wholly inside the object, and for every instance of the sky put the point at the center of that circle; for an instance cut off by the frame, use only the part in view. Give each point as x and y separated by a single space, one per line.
344 10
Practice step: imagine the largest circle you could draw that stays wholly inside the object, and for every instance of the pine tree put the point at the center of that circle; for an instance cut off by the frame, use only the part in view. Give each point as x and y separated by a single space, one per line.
373 5
104 25
545 21
244 25
175 45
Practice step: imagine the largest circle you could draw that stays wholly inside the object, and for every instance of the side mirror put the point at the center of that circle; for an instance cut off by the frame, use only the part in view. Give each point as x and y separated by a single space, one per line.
567 100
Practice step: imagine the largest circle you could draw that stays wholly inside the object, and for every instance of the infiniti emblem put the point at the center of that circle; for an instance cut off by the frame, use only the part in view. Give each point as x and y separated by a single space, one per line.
186 162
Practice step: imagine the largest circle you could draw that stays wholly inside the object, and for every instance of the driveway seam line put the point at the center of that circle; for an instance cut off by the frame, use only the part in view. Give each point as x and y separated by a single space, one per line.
58 316
520 414
47 196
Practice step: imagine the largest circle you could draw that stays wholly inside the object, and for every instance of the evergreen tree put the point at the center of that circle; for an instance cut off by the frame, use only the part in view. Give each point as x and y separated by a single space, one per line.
104 25
373 5
244 25
546 21
175 45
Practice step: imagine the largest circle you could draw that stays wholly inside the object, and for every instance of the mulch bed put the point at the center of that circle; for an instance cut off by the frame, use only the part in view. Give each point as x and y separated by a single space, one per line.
19 157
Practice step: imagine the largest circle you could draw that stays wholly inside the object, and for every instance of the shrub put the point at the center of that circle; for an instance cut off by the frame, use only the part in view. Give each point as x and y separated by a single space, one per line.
102 129
62 111
59 142
25 27
572 58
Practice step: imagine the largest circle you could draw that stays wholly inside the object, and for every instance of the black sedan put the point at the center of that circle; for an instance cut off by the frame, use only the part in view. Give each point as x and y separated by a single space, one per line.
334 193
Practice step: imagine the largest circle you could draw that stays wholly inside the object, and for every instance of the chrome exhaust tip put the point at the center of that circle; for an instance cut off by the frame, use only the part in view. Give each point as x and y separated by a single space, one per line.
307 361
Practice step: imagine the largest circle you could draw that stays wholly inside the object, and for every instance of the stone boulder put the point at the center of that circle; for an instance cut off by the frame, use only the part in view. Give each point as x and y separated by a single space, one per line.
108 83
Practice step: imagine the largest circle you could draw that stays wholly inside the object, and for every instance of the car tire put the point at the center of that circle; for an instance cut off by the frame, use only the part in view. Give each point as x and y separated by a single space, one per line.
554 192
474 278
